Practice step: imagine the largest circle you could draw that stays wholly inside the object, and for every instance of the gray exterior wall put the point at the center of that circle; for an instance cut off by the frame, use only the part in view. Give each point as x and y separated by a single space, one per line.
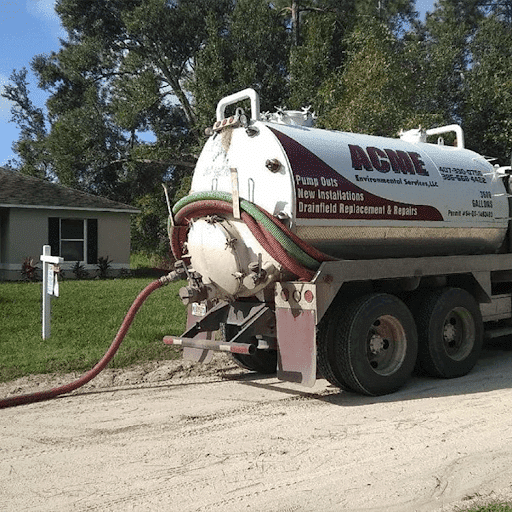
4 222
114 237
24 231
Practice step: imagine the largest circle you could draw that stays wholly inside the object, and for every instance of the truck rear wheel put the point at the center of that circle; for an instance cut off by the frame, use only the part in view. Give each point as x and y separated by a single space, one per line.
374 344
325 341
450 331
263 361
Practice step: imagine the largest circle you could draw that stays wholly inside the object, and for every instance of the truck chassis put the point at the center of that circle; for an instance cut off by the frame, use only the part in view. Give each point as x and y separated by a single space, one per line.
366 324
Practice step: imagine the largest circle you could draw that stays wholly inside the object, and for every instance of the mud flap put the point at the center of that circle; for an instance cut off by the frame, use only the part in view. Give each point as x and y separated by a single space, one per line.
197 355
296 339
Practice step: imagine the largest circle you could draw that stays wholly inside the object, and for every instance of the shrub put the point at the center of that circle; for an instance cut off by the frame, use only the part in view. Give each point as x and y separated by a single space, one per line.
29 271
79 271
103 266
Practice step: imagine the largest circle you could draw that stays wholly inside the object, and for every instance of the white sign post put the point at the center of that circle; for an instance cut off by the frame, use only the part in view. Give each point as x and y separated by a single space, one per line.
50 286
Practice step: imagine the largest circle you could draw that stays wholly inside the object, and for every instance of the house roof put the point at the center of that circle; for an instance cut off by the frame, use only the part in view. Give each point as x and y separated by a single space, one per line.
20 191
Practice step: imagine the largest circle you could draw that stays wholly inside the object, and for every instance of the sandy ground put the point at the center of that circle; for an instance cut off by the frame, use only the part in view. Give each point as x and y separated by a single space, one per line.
180 437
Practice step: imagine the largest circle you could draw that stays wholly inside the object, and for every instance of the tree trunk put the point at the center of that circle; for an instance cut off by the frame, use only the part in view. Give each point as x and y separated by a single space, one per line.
295 23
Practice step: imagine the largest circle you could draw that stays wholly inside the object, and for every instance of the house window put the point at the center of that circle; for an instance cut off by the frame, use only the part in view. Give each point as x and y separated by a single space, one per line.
74 239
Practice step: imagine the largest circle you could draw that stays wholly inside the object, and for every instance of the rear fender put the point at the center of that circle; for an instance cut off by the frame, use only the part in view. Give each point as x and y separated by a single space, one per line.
296 335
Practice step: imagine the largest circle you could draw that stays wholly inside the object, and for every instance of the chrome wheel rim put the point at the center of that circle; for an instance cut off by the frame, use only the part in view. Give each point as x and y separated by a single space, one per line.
459 333
386 345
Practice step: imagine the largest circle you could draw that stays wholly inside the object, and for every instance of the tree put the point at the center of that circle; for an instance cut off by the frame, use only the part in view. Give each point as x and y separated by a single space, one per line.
119 73
326 26
30 147
488 100
463 62
316 59
502 9
446 56
375 92
158 67
248 48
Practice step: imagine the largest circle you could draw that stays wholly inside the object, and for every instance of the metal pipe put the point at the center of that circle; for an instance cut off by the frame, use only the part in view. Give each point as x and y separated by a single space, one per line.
447 129
219 346
246 94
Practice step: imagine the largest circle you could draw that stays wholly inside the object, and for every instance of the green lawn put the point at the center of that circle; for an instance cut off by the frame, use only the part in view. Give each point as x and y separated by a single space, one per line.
493 507
85 319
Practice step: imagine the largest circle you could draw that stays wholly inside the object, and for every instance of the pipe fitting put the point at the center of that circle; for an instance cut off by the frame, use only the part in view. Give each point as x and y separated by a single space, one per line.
273 165
190 294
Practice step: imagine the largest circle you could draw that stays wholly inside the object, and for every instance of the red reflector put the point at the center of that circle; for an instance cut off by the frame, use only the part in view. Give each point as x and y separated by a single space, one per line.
308 296
168 340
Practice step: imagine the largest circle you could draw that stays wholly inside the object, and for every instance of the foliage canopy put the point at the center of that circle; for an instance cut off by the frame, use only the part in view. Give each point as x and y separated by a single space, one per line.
135 82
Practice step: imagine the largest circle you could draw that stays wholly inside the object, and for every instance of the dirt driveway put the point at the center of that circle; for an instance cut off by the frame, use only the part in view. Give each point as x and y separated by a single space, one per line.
180 437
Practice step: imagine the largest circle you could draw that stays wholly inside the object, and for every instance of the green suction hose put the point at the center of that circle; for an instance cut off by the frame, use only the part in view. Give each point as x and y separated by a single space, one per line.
291 247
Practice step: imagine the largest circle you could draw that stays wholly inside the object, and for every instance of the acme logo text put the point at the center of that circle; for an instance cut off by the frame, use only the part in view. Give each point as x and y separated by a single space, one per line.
385 160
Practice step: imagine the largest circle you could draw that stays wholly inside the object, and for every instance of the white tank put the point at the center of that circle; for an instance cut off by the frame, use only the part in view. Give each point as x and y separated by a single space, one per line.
351 196
358 196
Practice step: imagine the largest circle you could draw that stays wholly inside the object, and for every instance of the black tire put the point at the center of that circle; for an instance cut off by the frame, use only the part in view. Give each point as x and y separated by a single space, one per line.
375 344
263 361
450 331
326 345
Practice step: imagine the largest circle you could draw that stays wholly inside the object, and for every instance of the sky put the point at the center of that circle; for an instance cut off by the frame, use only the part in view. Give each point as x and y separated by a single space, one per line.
29 28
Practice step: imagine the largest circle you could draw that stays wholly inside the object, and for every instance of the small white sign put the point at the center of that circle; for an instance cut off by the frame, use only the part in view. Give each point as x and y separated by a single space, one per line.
56 287
49 282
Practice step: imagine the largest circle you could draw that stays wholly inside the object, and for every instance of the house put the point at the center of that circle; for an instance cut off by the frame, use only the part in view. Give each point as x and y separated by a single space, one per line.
78 226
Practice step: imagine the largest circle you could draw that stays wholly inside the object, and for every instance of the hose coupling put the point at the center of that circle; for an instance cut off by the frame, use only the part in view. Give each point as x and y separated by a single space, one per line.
171 277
